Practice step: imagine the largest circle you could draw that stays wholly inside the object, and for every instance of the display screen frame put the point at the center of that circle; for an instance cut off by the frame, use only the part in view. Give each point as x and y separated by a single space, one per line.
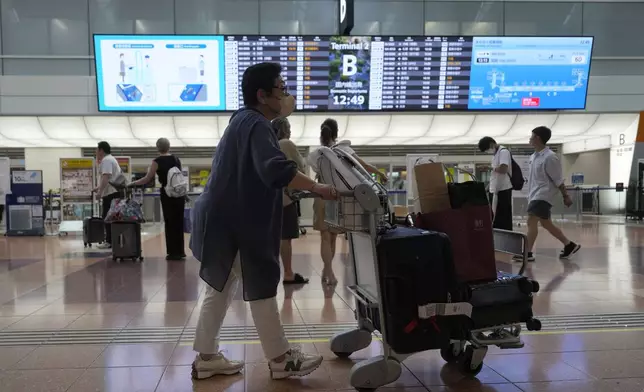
173 110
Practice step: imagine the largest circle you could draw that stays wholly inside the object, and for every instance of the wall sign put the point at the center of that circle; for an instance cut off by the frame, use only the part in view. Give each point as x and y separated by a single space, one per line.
345 16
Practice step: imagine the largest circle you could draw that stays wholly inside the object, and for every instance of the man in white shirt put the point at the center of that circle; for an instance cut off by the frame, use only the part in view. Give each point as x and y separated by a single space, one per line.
500 183
108 170
545 182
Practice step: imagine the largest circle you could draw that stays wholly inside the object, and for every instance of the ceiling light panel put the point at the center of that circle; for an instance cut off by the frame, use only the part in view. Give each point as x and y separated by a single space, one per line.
451 126
222 123
491 125
201 143
424 141
110 128
48 143
64 128
21 128
152 127
131 142
88 142
573 124
525 123
297 126
366 127
407 127
196 127
174 142
313 122
608 124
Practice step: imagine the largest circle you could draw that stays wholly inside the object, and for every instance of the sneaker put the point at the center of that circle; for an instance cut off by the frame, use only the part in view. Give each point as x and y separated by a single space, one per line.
519 259
218 365
296 363
104 245
569 250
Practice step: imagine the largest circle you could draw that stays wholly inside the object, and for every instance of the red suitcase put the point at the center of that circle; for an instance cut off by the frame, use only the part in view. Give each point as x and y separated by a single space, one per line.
469 229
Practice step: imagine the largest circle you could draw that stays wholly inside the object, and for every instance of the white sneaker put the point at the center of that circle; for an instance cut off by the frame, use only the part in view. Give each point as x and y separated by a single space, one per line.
296 363
218 365
104 245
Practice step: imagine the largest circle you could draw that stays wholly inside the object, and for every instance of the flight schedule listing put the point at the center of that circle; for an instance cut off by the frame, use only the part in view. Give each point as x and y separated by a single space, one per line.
337 73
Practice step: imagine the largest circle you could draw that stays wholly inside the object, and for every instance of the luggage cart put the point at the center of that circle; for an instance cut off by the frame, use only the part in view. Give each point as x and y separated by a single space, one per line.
363 214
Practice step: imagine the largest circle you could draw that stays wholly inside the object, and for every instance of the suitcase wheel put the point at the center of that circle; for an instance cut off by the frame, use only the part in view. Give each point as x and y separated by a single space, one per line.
113 258
141 258
533 324
342 355
467 366
85 244
452 353
535 286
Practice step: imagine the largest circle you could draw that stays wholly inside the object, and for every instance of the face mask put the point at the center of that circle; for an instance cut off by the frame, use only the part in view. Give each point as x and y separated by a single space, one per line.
287 106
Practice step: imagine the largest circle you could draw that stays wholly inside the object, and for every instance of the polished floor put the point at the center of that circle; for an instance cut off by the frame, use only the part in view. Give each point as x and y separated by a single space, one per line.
72 320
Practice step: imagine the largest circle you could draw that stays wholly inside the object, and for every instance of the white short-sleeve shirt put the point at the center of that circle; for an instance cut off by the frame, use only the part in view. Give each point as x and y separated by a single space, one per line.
545 176
501 181
110 166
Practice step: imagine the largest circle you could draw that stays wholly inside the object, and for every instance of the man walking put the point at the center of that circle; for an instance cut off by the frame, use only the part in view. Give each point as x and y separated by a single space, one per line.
545 183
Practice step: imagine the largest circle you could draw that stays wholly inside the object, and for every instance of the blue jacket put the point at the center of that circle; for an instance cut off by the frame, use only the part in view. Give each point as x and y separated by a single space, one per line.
240 210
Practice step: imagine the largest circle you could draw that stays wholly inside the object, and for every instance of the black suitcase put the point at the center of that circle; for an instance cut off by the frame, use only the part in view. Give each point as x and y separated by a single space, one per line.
508 300
416 269
126 241
93 228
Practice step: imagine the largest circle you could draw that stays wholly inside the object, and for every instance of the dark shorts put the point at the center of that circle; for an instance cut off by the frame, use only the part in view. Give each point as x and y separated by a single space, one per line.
540 209
290 222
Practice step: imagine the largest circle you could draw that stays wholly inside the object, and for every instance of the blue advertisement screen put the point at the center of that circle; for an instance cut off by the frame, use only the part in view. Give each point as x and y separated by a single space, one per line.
167 73
511 73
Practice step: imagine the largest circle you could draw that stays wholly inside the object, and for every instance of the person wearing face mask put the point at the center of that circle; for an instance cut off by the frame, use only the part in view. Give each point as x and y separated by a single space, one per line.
237 224
500 182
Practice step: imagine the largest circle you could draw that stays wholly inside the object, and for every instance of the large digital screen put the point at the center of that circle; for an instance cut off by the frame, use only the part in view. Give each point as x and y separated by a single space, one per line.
333 73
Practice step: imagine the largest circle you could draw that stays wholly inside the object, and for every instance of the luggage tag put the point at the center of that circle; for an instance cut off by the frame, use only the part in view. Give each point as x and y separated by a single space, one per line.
450 309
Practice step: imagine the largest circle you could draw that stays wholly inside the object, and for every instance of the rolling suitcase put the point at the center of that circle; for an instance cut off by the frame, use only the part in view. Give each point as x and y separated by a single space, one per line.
93 228
507 300
126 241
416 269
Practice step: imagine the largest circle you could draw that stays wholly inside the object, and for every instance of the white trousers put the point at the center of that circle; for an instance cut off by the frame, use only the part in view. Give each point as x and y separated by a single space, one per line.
265 314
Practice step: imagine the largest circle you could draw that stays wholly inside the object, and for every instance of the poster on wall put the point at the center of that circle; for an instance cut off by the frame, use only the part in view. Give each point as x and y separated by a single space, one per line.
76 184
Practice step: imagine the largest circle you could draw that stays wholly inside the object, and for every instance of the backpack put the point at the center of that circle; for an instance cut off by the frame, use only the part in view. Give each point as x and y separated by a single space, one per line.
516 178
177 183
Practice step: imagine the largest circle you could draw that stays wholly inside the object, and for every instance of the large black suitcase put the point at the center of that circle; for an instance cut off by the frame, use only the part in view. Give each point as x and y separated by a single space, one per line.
416 269
126 240
93 228
508 300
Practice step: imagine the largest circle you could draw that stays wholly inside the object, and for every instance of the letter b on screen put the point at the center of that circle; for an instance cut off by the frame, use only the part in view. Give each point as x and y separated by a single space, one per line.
349 65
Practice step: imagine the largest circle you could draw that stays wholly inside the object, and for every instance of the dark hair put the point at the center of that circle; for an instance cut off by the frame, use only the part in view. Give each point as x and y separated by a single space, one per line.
105 147
328 131
544 133
257 77
485 143
280 125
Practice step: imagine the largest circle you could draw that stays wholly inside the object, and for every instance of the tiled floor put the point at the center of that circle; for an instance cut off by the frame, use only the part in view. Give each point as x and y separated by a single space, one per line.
125 322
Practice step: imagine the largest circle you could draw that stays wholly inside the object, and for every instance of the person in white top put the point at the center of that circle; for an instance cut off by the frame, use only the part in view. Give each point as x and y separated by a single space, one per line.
545 182
328 138
108 170
500 183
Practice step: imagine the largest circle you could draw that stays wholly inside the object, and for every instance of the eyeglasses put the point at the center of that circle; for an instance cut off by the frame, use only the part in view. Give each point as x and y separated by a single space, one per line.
284 89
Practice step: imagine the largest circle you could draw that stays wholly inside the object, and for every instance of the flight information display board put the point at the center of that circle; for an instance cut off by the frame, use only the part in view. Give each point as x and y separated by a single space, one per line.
333 73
